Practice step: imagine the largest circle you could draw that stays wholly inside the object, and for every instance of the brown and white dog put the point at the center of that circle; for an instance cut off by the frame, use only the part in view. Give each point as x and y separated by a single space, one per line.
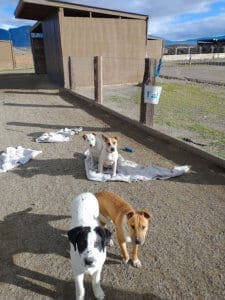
131 225
109 154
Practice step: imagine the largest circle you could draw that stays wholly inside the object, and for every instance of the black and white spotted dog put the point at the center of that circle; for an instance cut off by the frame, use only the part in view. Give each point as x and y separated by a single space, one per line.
88 243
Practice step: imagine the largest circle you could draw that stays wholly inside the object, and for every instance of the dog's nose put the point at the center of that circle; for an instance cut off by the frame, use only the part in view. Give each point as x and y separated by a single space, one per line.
112 149
137 241
88 261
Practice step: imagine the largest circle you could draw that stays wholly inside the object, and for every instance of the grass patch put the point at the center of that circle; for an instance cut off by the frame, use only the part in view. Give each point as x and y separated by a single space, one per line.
212 134
186 96
118 99
186 107
186 102
137 98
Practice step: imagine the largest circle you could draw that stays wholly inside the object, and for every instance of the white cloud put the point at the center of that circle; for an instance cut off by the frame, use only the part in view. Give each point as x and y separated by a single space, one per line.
164 16
7 19
152 8
192 29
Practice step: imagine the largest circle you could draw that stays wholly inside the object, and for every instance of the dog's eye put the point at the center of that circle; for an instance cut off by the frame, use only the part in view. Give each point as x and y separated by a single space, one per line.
97 244
143 227
133 227
108 144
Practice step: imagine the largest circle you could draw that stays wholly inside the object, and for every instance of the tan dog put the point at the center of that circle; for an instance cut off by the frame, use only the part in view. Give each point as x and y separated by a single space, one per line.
131 225
109 154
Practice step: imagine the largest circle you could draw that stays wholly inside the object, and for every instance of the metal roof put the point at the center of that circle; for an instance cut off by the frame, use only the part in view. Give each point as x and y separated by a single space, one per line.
40 9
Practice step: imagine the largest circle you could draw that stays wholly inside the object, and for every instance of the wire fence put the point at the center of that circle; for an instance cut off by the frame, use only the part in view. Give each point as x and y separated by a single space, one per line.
192 103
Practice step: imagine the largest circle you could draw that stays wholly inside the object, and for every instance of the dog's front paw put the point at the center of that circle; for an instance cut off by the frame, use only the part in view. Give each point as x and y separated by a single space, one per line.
125 261
137 263
99 294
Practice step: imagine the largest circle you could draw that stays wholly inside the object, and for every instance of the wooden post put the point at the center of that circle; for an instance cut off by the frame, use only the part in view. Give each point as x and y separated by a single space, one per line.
13 56
69 73
72 73
98 78
146 109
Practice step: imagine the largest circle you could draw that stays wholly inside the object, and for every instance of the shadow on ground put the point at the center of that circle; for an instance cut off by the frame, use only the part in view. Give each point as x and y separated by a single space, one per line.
54 167
27 232
25 81
54 126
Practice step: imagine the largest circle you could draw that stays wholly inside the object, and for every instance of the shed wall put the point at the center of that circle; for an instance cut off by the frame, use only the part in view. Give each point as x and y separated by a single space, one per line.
106 37
121 42
6 56
52 46
155 48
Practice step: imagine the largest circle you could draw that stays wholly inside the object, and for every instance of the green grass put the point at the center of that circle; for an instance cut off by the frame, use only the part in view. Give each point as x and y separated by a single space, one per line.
194 108
213 134
185 106
188 102
118 99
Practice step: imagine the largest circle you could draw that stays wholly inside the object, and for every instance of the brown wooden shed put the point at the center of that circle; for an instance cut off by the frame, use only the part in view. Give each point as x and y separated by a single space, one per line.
84 32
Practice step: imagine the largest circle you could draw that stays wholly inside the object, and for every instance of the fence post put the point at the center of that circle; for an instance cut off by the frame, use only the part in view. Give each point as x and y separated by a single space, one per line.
69 72
146 109
98 78
13 56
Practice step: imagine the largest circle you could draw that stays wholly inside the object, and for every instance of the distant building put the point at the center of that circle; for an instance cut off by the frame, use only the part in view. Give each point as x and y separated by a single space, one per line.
212 45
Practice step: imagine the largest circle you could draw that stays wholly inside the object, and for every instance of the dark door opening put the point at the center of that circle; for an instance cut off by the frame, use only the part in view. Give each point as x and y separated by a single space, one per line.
38 55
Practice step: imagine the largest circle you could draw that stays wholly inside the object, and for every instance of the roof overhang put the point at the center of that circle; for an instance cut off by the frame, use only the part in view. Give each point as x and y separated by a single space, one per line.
41 9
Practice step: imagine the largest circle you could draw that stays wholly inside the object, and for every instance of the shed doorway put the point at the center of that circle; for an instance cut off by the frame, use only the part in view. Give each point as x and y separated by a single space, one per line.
38 55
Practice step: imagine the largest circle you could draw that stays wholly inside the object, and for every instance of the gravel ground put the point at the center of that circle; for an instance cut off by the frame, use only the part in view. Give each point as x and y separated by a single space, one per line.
184 254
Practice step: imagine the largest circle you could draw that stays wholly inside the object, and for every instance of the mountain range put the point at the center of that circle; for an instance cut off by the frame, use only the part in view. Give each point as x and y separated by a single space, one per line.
19 36
192 42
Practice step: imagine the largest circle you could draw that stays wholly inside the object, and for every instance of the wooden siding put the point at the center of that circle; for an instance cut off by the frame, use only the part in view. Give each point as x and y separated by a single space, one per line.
6 56
106 37
52 46
155 49
121 42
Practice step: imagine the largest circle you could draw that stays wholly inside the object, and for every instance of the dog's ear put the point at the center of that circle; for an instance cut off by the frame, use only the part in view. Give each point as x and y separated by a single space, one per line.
94 133
105 235
77 234
73 235
130 214
115 138
104 137
146 214
84 136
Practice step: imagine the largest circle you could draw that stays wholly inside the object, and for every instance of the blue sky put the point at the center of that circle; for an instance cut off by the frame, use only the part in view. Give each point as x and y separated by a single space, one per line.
173 20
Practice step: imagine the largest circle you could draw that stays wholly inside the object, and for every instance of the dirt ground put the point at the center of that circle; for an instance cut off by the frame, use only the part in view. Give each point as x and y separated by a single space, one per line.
184 253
